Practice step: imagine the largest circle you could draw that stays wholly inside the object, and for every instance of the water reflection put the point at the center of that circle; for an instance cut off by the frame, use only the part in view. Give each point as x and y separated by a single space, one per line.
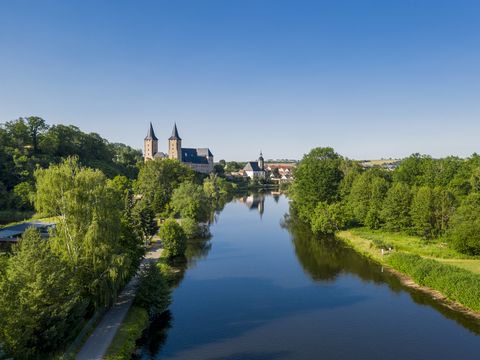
325 258
255 201
258 290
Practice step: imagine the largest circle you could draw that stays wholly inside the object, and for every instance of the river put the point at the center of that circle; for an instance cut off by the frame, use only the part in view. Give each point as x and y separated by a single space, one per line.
262 288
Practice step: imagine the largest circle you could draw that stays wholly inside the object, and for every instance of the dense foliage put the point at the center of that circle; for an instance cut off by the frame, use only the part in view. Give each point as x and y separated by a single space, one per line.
158 179
423 196
49 287
153 292
40 299
173 238
28 143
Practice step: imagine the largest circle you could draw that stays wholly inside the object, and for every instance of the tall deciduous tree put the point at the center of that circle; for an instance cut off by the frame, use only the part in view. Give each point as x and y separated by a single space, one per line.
190 201
157 180
317 179
464 232
423 212
40 301
88 228
396 207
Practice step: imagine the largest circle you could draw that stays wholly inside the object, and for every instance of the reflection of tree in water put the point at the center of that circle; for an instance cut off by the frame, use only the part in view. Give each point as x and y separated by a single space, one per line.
155 336
324 258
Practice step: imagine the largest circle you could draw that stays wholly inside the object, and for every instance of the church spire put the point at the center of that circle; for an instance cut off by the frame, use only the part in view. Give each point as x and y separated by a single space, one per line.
151 133
175 135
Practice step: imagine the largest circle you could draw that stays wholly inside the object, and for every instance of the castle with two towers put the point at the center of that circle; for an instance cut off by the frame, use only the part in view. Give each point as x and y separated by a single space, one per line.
199 159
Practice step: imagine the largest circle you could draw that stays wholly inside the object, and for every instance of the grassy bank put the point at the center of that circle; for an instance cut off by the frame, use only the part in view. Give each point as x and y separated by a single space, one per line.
454 283
430 264
131 329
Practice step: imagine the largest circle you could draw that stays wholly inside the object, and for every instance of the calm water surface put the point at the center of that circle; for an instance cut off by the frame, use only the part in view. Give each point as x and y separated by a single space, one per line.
261 290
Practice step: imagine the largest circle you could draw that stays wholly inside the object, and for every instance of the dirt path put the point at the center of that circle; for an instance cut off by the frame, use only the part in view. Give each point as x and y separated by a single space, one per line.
97 344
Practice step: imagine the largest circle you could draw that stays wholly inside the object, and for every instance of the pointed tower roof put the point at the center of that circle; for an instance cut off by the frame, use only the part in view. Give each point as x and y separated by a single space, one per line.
175 135
261 155
151 134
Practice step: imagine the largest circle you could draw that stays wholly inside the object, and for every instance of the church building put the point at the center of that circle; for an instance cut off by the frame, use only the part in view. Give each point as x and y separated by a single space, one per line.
199 159
255 169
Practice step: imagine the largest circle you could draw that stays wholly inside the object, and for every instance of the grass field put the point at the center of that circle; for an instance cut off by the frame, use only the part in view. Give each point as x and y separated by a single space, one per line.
370 242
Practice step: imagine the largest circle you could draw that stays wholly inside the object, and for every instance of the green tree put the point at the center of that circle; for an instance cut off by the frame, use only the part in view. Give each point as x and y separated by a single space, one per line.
143 217
173 238
158 178
328 218
190 201
445 204
378 191
36 127
423 212
89 213
153 293
396 207
40 302
464 232
317 179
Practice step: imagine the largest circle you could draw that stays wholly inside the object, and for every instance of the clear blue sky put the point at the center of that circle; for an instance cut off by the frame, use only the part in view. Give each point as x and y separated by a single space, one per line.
370 78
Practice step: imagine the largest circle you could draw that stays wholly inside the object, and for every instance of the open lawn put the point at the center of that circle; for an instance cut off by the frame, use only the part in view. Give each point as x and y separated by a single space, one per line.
407 243
370 243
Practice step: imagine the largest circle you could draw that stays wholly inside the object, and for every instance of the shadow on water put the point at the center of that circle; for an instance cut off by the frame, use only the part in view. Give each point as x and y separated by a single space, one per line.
325 258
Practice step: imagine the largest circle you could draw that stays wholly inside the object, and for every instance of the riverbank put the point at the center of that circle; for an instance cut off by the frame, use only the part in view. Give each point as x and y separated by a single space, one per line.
418 265
109 330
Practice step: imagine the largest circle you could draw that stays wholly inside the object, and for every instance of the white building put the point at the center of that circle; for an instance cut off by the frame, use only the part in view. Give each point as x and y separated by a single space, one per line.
255 169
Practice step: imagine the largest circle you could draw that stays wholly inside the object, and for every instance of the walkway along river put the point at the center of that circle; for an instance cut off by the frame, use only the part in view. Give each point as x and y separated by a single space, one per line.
263 288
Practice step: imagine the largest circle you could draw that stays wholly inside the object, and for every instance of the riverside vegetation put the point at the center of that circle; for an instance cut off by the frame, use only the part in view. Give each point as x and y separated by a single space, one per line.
425 215
106 211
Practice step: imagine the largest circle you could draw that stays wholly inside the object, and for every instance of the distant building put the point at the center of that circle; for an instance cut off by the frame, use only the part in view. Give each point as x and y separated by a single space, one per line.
199 159
12 234
255 169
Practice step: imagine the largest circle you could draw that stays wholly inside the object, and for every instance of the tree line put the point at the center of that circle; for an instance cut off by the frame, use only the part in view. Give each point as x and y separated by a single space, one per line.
28 143
423 196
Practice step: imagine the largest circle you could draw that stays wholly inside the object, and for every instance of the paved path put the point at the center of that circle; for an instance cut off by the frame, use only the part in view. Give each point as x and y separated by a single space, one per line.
97 344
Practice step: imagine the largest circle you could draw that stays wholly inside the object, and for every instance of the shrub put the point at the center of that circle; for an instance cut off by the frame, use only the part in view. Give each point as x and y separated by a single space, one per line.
173 238
191 228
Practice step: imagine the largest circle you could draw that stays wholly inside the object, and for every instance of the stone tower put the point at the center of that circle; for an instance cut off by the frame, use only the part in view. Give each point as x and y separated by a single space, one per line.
261 162
175 145
150 144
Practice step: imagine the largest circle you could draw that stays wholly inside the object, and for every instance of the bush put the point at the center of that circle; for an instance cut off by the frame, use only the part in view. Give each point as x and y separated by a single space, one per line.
455 283
193 230
153 293
173 238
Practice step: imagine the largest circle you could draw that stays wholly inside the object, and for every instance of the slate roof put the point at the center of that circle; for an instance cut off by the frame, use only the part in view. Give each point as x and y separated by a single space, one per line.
204 152
160 155
252 166
192 156
151 134
175 135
